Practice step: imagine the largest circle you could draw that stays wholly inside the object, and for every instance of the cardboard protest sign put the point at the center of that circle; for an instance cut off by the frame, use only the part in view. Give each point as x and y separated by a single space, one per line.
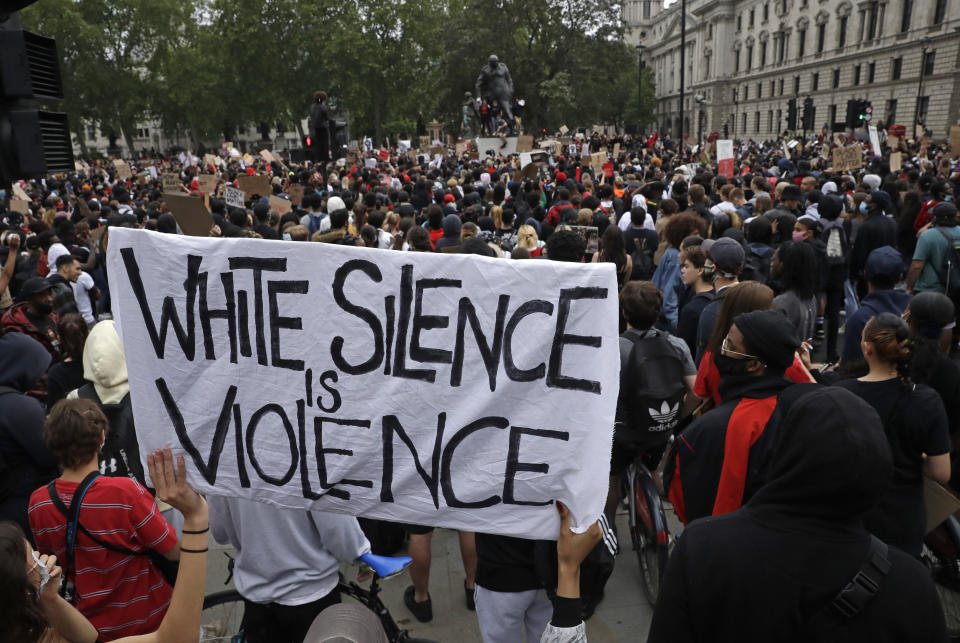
896 161
20 193
256 184
955 141
725 157
893 142
21 206
616 150
540 157
191 215
351 157
563 130
524 143
597 159
210 159
207 182
170 183
402 418
266 155
296 194
248 159
848 158
280 205
461 148
233 197
123 170
939 503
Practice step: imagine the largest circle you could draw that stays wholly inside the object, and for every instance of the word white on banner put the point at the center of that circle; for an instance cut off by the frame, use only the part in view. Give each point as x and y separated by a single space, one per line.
450 390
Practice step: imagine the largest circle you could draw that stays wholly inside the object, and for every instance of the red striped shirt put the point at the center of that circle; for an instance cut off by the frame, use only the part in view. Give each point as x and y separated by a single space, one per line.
122 595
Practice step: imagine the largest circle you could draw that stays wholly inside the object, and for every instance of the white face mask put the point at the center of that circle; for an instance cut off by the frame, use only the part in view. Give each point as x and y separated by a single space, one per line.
42 569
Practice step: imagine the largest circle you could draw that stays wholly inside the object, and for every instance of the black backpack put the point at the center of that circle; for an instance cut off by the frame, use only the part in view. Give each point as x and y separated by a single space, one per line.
756 264
642 262
651 388
951 265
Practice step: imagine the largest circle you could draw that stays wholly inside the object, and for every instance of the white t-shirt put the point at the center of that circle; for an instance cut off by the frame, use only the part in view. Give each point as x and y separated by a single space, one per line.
625 222
81 292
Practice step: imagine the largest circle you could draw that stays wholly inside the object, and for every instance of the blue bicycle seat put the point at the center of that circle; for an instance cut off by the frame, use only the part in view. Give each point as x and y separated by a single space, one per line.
386 566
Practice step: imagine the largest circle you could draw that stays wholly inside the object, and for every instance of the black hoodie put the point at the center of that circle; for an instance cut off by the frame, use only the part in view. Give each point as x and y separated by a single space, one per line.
763 573
25 462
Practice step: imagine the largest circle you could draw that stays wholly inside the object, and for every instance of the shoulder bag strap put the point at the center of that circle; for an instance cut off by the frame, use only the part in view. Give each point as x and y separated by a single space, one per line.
72 513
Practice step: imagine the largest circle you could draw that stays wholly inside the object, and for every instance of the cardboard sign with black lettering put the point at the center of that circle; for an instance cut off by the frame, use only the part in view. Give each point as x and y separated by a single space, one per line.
440 389
171 183
296 194
280 205
207 182
256 184
847 158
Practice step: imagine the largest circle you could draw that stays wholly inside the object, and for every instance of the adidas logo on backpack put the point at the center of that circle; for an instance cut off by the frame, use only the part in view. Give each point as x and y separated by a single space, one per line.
665 418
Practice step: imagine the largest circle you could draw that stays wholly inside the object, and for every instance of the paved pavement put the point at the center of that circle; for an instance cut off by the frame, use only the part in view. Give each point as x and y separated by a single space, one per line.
624 614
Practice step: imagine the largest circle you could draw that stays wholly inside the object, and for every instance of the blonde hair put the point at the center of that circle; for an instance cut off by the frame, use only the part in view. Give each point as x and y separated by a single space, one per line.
527 237
585 217
496 213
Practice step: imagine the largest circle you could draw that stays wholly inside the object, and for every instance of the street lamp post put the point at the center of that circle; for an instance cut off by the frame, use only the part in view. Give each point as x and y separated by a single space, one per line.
640 124
923 63
683 58
700 100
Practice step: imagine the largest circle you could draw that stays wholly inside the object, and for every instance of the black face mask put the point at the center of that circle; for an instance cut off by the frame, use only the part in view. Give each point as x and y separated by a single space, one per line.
730 366
43 308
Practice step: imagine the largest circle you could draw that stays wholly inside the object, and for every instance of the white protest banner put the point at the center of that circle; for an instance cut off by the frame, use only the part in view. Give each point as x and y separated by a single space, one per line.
439 389
725 157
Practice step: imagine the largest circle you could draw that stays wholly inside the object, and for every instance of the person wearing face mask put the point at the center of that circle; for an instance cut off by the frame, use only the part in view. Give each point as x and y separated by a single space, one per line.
725 259
875 232
717 462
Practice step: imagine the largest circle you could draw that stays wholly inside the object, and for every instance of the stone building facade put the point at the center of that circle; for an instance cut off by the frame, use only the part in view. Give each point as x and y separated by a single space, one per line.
746 58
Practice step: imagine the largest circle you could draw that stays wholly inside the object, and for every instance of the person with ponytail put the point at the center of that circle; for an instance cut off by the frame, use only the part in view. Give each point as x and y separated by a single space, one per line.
915 423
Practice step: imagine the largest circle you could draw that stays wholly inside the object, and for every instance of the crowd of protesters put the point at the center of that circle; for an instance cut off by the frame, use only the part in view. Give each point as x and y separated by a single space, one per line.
733 282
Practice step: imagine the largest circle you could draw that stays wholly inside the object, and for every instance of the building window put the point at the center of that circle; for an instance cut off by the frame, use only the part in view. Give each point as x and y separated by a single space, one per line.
928 61
743 126
871 72
833 115
646 8
750 22
763 55
736 62
896 68
821 37
739 23
759 90
773 88
856 75
842 33
873 20
766 12
746 92
940 12
796 85
802 37
770 122
836 78
905 16
781 87
710 31
756 121
813 115
706 66
891 111
924 108
749 57
779 118
815 82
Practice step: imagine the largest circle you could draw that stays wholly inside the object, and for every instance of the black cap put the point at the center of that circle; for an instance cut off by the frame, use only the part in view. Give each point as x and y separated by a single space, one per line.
34 286
770 335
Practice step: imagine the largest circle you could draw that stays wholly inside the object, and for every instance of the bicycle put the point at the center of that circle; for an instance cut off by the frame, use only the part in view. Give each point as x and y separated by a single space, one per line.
223 611
647 519
941 555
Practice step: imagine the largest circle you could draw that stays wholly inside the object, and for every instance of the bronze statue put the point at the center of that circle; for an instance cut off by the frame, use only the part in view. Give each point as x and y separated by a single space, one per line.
470 115
494 84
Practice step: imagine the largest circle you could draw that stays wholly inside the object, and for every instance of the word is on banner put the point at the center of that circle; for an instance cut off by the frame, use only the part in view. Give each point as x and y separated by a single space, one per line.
449 390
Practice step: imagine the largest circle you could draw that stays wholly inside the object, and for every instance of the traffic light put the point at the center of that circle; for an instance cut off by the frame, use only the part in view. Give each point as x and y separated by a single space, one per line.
808 113
792 114
33 142
852 106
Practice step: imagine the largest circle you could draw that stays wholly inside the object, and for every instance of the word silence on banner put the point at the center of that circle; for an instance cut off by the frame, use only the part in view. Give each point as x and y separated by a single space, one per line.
374 383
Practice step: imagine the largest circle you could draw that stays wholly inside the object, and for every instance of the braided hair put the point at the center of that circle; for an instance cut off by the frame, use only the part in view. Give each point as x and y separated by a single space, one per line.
890 337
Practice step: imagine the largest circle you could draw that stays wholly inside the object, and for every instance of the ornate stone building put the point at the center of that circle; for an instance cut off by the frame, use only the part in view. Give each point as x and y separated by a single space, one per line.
746 58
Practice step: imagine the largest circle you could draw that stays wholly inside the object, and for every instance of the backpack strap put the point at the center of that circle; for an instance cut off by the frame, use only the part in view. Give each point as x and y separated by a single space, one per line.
856 594
8 389
72 513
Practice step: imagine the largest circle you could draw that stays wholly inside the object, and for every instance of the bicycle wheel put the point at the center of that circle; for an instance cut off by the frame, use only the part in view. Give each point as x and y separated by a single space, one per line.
650 535
222 618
